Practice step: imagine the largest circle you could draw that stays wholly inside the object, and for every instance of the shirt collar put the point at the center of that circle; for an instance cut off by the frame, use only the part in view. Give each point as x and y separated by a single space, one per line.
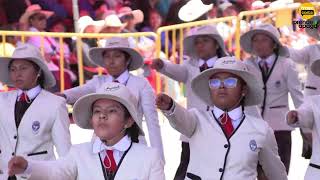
122 145
270 59
235 114
123 78
210 62
32 93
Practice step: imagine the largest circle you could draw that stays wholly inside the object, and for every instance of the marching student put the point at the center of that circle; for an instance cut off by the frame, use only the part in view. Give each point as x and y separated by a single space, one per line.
33 121
114 154
279 77
119 58
204 45
308 116
225 142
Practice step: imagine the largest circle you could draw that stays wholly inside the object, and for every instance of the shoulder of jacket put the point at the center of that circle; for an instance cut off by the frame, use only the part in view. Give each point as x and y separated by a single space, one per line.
143 149
258 123
52 97
82 147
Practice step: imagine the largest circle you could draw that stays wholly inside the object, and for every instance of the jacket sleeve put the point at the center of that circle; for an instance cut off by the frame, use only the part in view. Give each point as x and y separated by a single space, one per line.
183 120
299 56
60 130
157 168
75 93
294 84
270 159
176 72
151 115
305 115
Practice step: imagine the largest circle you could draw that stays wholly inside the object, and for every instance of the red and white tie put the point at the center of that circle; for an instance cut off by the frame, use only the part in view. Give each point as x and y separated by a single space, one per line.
226 124
109 162
24 97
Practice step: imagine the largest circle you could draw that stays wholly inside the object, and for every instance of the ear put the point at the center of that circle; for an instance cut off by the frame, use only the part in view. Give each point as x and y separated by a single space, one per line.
129 123
244 90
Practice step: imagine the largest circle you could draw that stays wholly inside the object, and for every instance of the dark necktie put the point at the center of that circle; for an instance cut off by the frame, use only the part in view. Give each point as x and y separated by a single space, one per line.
204 67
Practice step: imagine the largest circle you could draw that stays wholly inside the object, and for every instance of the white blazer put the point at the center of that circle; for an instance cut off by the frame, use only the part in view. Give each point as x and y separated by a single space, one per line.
44 125
81 163
144 93
283 79
305 56
309 117
213 156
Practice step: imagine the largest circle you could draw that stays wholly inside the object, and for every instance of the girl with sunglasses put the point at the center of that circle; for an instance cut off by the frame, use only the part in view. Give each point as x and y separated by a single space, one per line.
225 142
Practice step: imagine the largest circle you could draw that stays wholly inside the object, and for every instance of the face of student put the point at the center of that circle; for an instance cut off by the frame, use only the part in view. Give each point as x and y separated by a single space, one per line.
109 120
115 62
226 95
39 21
206 47
23 74
262 45
155 20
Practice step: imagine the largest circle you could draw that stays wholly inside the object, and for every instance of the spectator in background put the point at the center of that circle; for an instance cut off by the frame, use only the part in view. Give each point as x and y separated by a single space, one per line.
16 6
100 9
34 18
227 9
112 24
86 8
7 48
130 17
52 5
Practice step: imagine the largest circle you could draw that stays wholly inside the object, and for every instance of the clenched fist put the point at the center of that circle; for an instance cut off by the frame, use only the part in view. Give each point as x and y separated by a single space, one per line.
17 165
164 102
292 117
157 64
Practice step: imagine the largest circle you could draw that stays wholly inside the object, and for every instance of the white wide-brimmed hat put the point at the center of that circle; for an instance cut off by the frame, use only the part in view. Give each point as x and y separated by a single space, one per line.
112 20
29 53
85 21
117 43
200 84
31 10
137 14
267 29
313 32
82 110
193 9
208 30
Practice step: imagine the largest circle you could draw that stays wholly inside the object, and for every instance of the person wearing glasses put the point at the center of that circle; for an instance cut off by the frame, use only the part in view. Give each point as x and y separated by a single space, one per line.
114 154
225 142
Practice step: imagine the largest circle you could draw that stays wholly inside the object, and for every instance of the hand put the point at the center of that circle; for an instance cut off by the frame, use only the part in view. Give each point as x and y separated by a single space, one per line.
292 117
164 102
61 95
157 64
17 165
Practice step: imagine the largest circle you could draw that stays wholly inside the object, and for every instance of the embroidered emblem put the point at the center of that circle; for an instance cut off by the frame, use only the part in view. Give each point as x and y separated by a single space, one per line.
278 84
112 88
253 145
35 127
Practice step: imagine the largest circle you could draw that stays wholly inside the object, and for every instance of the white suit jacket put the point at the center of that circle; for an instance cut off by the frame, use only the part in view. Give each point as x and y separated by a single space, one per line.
213 156
144 93
309 117
44 125
81 163
304 56
283 79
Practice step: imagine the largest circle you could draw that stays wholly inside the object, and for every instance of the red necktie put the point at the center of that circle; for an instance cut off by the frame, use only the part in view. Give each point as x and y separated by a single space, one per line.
226 124
109 162
24 97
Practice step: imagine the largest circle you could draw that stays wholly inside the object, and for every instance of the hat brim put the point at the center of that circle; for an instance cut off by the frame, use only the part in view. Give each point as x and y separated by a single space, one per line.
246 41
200 86
49 80
193 10
313 32
25 17
136 60
189 47
315 67
82 110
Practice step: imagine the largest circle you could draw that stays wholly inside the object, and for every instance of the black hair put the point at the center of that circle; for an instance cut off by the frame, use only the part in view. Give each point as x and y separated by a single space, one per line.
41 78
133 131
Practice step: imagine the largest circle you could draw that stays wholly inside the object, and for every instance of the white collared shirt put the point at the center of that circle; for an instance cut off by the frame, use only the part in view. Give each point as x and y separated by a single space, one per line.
123 78
31 93
270 60
118 149
235 115
210 62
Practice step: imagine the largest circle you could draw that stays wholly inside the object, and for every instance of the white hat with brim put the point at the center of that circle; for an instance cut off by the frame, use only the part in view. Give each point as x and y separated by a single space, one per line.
31 10
82 110
267 29
200 84
117 43
192 10
85 21
314 32
137 14
29 53
208 30
112 20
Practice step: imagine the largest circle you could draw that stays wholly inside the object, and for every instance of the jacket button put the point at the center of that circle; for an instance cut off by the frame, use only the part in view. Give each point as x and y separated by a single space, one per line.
15 137
226 146
12 154
220 170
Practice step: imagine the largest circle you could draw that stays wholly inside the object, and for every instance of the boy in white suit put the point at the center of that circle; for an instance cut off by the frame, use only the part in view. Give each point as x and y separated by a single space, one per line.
119 58
308 116
279 77
33 121
225 142
114 154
